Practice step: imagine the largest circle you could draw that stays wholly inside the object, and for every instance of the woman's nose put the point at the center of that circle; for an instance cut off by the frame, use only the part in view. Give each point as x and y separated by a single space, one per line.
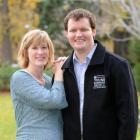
40 51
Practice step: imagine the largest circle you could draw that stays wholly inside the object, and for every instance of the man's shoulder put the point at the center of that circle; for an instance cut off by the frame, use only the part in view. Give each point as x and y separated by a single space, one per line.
115 58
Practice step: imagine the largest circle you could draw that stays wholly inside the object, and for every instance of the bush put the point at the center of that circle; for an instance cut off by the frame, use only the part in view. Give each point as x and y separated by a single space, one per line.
6 70
134 56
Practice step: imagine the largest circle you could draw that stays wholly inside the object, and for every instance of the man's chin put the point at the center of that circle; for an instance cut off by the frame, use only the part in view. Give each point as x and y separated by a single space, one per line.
79 47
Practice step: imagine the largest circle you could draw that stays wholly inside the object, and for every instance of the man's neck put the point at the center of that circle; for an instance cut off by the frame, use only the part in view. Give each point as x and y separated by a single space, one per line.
81 54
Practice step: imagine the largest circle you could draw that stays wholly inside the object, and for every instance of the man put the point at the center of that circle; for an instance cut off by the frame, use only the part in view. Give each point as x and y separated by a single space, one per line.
100 89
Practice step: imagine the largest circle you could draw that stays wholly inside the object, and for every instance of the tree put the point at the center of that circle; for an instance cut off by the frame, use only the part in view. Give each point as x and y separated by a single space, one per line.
125 31
53 23
6 51
17 18
126 14
134 56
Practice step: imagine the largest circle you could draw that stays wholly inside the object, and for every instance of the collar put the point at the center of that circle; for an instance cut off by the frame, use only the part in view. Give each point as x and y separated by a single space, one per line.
97 58
88 57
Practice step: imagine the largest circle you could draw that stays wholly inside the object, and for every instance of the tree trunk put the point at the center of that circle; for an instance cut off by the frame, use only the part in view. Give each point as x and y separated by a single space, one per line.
120 46
6 50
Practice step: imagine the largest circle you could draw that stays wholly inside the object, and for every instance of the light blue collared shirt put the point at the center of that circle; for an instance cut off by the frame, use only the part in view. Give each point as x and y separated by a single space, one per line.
80 69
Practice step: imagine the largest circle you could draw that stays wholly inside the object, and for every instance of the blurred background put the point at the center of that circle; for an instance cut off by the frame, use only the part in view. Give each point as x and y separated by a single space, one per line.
118 28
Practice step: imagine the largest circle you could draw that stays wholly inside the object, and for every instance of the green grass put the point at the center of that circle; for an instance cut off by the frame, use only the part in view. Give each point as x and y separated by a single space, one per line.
138 134
7 120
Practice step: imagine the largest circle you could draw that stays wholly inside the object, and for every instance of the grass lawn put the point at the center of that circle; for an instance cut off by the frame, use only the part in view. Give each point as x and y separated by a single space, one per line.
7 120
138 134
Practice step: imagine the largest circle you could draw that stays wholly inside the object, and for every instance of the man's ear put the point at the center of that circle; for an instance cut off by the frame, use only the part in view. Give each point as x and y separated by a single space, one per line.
94 32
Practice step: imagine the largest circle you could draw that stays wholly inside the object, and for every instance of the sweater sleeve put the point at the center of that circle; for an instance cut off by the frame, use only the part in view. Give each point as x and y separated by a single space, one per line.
30 92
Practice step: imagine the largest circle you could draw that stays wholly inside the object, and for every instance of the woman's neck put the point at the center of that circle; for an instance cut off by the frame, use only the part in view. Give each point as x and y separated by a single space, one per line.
36 72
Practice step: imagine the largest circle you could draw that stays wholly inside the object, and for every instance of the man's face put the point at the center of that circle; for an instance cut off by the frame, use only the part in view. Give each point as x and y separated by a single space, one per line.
80 34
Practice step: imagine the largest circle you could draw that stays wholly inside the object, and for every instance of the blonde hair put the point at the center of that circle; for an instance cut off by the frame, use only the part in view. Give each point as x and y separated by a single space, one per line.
36 37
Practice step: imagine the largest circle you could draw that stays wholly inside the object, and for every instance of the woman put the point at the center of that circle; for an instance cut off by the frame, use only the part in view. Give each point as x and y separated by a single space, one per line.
36 101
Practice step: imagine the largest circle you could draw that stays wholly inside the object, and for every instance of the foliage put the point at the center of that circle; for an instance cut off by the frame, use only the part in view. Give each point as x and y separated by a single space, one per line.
53 13
51 20
126 15
49 72
21 16
134 57
24 20
6 72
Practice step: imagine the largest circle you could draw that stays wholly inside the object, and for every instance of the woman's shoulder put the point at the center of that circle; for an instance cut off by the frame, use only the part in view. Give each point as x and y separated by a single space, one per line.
19 74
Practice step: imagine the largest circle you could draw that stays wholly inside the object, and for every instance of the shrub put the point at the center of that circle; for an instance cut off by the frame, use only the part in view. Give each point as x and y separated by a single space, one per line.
134 56
6 70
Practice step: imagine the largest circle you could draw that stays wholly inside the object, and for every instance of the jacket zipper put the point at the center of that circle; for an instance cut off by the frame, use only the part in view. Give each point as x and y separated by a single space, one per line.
79 99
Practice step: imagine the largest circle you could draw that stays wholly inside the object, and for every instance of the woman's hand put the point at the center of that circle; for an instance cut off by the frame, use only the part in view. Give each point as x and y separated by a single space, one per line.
57 68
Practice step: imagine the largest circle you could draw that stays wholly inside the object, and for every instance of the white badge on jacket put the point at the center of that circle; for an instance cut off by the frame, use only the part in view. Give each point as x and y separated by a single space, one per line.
99 81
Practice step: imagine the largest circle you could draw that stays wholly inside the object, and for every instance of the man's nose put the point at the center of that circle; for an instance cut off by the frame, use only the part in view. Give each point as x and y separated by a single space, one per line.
78 33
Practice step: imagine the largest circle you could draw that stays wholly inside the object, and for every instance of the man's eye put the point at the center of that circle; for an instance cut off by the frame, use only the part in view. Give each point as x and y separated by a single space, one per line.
84 30
72 31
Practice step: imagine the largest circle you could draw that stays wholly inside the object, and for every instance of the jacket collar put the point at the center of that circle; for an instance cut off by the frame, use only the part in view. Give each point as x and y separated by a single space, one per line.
97 58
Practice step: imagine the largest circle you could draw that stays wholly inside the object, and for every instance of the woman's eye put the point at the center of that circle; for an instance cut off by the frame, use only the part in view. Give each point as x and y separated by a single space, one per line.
34 48
44 47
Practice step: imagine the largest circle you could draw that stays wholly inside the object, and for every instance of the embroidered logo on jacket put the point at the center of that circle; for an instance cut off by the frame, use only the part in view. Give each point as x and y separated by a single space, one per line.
99 81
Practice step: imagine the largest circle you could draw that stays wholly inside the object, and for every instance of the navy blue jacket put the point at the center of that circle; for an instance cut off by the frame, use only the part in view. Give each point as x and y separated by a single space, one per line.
110 109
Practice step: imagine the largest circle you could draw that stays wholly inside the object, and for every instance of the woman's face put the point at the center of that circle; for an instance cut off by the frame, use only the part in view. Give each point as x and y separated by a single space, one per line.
38 55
